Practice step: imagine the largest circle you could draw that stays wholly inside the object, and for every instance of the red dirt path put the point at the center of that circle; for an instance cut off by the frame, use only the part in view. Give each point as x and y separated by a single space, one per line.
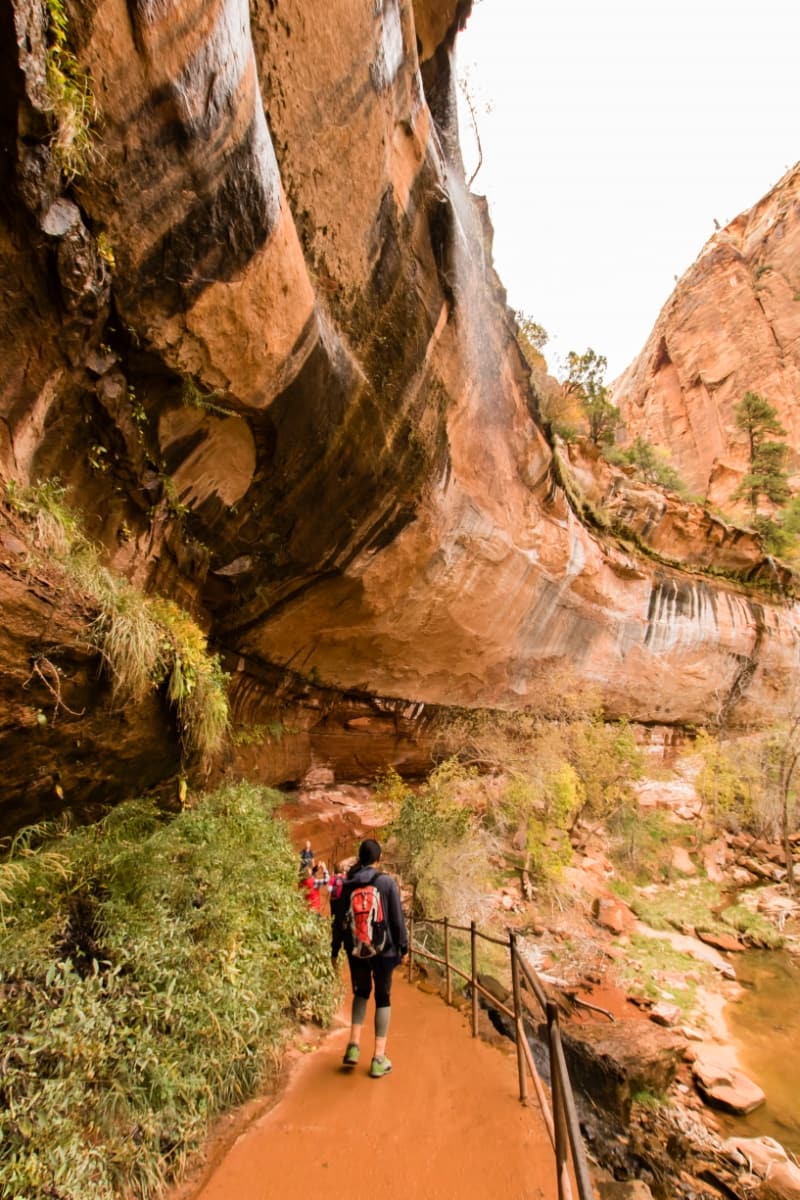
447 1123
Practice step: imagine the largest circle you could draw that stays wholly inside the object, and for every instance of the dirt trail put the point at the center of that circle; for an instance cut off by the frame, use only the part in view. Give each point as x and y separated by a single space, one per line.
446 1124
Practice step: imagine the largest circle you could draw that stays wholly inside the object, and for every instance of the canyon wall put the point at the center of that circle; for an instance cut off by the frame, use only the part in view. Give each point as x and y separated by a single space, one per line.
259 337
732 325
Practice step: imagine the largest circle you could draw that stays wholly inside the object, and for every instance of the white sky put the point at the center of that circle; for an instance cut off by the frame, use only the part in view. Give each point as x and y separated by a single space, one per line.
619 130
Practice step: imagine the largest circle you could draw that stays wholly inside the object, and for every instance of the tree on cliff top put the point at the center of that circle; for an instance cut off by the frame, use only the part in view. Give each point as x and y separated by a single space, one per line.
532 338
766 478
585 383
559 410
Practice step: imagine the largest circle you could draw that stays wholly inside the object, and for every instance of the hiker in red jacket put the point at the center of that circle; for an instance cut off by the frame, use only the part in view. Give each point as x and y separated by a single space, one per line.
312 880
368 920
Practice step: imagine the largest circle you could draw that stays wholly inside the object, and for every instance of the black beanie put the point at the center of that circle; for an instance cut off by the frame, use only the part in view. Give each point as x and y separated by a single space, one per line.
369 852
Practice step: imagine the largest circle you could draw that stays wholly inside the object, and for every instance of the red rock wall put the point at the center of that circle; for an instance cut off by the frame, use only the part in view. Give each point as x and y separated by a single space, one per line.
267 307
732 325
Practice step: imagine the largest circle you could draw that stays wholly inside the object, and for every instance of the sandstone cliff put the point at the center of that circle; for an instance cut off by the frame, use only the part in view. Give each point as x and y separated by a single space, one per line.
732 325
259 337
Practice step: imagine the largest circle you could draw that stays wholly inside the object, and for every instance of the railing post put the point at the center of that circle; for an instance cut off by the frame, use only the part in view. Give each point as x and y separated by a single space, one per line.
410 946
579 1164
520 1029
474 958
448 983
559 1120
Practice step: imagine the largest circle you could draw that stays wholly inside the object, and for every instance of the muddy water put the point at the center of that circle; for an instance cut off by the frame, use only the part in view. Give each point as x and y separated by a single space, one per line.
765 1024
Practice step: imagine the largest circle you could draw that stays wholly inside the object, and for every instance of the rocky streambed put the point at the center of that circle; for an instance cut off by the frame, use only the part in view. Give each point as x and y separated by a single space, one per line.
686 1082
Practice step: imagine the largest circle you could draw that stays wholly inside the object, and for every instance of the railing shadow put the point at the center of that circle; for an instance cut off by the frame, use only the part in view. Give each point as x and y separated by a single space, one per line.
561 1120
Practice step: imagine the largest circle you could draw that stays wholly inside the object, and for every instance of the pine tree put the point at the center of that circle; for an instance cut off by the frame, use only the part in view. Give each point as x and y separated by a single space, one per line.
767 477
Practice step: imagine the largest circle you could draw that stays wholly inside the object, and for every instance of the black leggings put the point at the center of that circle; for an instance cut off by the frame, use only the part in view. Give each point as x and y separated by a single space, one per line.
379 968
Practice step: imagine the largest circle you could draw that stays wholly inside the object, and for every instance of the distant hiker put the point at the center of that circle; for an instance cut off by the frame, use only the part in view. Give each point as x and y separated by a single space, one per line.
306 855
311 880
368 920
335 883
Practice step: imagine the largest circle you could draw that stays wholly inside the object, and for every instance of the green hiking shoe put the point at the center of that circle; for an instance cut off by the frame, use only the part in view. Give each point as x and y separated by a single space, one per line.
351 1055
380 1067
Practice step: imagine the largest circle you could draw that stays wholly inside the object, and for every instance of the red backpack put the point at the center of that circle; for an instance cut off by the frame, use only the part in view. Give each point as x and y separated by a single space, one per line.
366 921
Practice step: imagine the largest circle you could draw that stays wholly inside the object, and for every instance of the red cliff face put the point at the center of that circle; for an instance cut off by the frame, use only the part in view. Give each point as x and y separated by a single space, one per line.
732 325
266 306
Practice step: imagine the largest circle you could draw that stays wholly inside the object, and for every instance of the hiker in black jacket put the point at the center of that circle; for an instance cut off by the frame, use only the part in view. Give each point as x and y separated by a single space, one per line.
368 920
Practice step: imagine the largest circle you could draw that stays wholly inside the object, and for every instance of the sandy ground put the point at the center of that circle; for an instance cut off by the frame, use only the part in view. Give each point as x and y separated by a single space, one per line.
446 1124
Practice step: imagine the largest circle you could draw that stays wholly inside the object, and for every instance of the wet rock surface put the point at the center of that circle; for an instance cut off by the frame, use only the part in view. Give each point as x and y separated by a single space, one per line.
265 306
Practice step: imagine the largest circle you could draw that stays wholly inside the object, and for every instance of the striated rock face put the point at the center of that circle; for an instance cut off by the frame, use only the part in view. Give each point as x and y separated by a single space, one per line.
678 531
260 338
732 325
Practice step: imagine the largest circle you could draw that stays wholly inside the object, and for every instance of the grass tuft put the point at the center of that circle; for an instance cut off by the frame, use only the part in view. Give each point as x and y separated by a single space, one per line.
754 928
144 640
71 101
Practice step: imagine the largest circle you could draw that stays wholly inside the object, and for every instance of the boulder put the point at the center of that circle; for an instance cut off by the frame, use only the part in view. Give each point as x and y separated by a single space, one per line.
665 1014
740 876
682 862
715 857
613 914
760 1154
726 1087
611 1063
720 941
782 1183
761 869
775 905
319 775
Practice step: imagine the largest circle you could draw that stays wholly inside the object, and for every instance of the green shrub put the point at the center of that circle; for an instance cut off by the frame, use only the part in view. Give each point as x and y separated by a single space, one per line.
641 843
428 818
732 783
650 464
150 970
438 845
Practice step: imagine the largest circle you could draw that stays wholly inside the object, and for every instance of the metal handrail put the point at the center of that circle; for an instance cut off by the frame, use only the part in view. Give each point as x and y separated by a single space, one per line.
562 1122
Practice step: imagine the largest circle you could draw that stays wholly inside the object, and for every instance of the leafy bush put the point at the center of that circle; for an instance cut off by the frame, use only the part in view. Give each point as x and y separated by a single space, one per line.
650 464
641 843
743 785
429 817
607 760
780 533
150 970
438 845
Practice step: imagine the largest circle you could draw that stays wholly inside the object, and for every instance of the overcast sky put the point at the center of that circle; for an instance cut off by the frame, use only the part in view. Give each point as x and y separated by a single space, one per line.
619 130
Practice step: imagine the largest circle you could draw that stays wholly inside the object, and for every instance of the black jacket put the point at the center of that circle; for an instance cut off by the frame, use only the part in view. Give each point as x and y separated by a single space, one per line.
397 941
